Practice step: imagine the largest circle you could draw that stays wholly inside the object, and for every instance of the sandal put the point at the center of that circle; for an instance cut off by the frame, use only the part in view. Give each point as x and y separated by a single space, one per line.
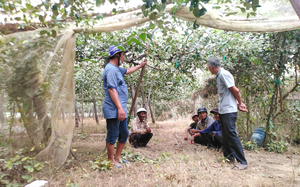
125 162
240 166
119 165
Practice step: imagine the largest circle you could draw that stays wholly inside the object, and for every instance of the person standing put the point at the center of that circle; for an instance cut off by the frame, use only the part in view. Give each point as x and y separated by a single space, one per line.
140 131
115 101
230 101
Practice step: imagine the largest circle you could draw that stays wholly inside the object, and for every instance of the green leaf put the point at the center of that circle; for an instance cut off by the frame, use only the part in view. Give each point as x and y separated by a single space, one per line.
98 3
143 8
247 5
231 13
122 48
54 7
25 158
3 175
42 32
174 9
158 8
216 7
163 1
197 13
153 16
163 7
17 163
5 181
27 177
54 33
136 41
145 13
55 12
149 36
169 39
99 16
195 25
143 36
41 18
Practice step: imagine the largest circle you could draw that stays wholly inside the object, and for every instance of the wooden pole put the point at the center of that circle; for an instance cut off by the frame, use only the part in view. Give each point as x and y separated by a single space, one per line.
137 91
140 80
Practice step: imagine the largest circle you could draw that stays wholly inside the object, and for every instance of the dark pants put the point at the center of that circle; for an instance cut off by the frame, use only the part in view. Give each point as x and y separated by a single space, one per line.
138 139
232 147
206 140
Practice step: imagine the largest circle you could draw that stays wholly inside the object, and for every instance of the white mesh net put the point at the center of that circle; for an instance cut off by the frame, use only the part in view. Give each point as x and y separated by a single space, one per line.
37 74
40 87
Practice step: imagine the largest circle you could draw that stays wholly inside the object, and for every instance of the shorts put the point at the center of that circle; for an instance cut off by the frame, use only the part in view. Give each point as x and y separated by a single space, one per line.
116 129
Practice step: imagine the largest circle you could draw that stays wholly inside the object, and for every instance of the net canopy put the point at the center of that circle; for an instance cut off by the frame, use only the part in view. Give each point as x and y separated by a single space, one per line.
38 80
37 71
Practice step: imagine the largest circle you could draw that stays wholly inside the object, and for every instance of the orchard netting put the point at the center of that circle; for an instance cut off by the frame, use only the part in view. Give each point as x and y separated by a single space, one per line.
37 73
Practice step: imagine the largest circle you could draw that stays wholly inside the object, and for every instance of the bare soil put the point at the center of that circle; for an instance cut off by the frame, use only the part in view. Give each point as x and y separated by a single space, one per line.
171 161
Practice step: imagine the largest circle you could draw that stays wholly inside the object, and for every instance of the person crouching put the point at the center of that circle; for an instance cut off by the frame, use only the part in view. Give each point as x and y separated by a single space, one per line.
140 131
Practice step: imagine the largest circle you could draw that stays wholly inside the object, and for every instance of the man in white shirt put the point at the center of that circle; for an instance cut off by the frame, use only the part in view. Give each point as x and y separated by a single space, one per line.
230 101
140 131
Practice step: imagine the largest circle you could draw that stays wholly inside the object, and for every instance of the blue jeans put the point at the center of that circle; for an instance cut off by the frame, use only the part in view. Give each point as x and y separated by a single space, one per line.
232 147
116 129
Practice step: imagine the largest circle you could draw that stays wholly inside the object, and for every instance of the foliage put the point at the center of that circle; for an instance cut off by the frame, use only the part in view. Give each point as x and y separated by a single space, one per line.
250 145
82 135
19 169
277 146
101 163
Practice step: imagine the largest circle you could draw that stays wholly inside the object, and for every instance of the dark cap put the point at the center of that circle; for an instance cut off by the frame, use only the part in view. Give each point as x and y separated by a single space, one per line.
194 115
216 110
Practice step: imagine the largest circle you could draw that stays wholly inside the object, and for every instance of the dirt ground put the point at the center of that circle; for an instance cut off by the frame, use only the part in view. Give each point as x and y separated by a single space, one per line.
171 161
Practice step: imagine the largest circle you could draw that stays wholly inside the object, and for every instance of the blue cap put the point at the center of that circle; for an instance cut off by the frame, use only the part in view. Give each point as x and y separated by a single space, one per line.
215 111
115 49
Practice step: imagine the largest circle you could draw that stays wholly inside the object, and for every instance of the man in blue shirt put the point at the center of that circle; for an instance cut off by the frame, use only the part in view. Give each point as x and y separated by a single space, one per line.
212 135
115 101
230 101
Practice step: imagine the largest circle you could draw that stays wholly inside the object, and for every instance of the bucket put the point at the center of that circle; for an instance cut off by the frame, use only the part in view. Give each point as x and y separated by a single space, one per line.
258 136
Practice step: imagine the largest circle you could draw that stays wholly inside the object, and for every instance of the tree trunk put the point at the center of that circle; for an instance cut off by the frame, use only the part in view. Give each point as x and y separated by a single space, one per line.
95 110
149 105
90 113
40 108
152 115
269 117
143 96
76 114
148 99
132 96
82 112
249 131
2 118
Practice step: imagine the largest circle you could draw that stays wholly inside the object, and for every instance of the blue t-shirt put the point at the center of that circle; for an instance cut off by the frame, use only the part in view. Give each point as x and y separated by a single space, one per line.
227 101
113 78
